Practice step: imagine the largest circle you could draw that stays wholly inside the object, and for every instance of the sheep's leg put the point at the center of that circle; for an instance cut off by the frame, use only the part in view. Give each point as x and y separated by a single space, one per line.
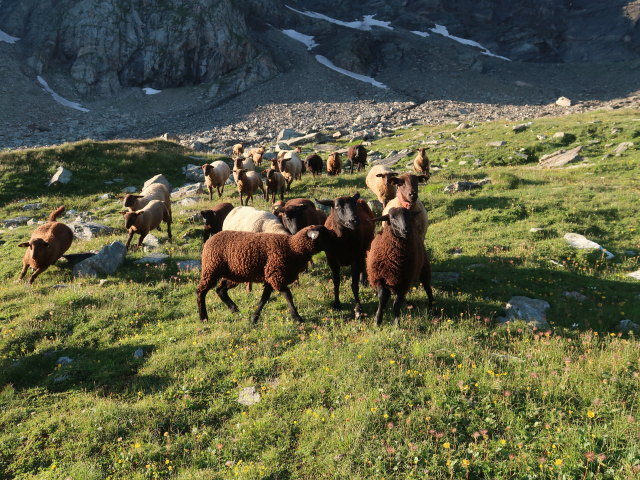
210 193
220 191
397 305
142 235
266 293
35 274
221 290
281 195
24 271
355 288
383 297
201 293
425 280
335 276
128 240
286 293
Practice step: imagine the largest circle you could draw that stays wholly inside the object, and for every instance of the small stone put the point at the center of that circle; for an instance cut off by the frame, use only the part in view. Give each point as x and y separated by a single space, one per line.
445 277
104 282
581 242
32 221
189 201
153 259
138 354
520 128
536 229
620 149
466 186
64 361
32 206
500 143
118 180
105 196
462 162
577 296
541 137
188 265
129 189
463 126
563 102
626 326
62 176
248 396
530 310
151 241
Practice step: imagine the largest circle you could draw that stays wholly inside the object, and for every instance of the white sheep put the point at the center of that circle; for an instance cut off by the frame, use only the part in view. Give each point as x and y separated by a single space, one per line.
290 167
216 175
379 182
249 219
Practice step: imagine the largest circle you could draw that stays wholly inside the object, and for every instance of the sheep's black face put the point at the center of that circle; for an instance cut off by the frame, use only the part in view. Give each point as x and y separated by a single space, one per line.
346 211
293 218
400 222
209 218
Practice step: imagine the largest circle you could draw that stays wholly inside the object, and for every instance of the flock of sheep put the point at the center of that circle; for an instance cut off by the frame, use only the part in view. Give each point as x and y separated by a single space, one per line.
244 244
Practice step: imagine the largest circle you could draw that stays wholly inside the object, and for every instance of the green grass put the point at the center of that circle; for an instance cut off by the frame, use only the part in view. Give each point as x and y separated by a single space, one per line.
449 395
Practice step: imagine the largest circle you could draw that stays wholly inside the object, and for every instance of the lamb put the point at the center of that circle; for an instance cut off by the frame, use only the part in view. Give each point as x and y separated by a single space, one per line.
291 168
314 162
350 220
241 162
248 183
358 156
147 219
256 155
47 244
407 197
237 150
299 213
379 182
334 164
397 261
155 191
275 260
214 218
421 163
276 183
216 175
249 219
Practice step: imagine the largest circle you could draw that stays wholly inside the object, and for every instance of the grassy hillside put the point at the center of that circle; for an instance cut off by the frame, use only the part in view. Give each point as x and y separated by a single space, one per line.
449 395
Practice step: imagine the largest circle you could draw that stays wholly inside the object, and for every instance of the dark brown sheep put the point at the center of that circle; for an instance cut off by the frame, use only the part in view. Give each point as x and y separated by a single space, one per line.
214 217
314 162
47 244
272 259
334 164
351 221
358 156
276 183
397 260
147 219
299 213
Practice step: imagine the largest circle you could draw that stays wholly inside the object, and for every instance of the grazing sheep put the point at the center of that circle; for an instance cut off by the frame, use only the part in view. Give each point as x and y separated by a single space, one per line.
299 213
350 220
216 175
249 219
241 162
334 164
248 183
47 244
214 218
379 182
291 167
237 150
358 156
276 183
407 197
146 219
155 191
274 260
256 155
396 261
421 163
314 162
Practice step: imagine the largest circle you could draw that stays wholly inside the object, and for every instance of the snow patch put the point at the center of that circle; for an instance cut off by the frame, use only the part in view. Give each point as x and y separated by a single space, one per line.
442 30
150 91
301 37
59 99
363 78
5 37
420 34
365 24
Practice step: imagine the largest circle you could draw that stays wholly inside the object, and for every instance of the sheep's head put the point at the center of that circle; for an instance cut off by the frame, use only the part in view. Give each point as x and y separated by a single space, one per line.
345 211
277 207
237 163
129 200
400 221
387 176
38 247
209 219
293 217
206 169
282 162
130 218
407 185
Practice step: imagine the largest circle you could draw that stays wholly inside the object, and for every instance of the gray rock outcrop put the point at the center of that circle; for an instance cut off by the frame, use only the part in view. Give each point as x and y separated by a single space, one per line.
560 158
87 230
530 310
105 262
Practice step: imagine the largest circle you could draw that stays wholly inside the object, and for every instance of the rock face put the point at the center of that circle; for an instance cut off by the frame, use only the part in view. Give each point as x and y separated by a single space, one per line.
560 158
108 44
105 262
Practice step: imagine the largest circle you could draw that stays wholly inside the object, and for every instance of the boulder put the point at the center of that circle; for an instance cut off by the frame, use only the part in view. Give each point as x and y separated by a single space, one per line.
61 176
106 261
563 102
623 147
581 242
466 186
157 179
530 310
87 230
287 133
187 190
560 158
193 173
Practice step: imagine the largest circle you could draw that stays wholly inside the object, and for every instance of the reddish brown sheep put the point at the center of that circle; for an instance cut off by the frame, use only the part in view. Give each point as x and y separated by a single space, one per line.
147 219
273 259
397 261
351 221
47 244
299 213
358 156
334 164
214 217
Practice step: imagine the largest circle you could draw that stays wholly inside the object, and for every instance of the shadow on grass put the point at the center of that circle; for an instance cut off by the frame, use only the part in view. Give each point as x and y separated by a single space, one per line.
103 370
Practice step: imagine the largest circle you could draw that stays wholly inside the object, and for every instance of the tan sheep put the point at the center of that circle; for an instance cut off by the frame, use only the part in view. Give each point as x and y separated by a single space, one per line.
237 150
421 163
256 155
241 162
276 183
291 167
379 182
248 183
216 175
147 219
407 197
155 191
334 164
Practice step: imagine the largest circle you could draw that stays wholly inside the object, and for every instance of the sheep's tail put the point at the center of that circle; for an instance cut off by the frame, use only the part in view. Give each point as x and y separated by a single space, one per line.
55 213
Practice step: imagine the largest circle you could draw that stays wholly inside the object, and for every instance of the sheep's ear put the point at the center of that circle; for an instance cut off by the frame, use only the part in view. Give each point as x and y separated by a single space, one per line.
313 234
422 178
380 174
356 196
139 212
24 244
396 181
204 213
326 203
137 196
383 218
123 212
